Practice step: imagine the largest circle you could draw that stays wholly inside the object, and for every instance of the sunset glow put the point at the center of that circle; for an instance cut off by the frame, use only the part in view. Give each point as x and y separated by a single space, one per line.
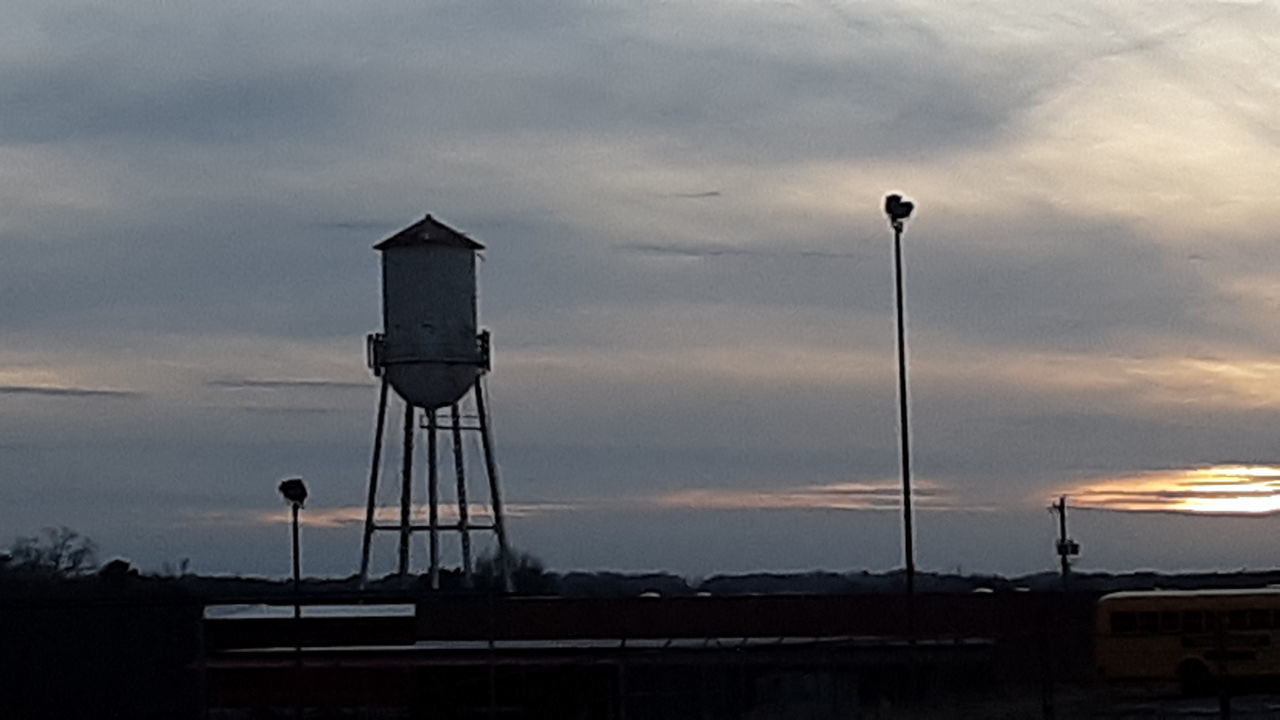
885 495
353 515
1221 489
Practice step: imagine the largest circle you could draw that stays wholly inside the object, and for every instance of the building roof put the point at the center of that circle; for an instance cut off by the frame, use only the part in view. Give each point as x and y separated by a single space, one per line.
429 231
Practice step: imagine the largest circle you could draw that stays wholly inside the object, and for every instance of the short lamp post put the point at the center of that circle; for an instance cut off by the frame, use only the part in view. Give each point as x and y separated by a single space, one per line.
295 493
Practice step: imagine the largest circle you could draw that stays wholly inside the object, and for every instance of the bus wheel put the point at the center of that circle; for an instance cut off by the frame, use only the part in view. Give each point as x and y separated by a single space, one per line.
1193 675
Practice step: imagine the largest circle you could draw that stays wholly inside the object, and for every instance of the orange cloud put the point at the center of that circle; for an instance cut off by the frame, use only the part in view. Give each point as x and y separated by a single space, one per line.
832 496
881 495
1219 489
353 515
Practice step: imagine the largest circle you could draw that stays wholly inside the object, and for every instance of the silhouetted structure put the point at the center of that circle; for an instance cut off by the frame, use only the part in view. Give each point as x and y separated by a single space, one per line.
432 355
1066 547
898 211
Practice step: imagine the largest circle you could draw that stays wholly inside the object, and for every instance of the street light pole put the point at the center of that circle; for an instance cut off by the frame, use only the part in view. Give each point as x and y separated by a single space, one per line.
297 618
898 211
908 536
294 492
297 564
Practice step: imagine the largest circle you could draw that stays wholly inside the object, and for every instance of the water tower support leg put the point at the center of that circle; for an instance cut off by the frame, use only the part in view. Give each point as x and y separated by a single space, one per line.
406 489
374 472
433 498
464 511
495 494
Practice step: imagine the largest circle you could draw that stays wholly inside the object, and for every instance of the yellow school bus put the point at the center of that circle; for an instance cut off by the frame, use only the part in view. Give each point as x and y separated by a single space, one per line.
1191 636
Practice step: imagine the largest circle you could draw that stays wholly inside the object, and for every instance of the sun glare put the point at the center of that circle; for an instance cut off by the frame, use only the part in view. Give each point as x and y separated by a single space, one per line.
1222 489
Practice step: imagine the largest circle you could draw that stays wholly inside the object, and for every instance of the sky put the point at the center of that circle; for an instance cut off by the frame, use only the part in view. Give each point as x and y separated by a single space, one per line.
688 276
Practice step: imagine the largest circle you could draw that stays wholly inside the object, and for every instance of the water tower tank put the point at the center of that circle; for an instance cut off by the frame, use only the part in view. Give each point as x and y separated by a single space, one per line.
430 350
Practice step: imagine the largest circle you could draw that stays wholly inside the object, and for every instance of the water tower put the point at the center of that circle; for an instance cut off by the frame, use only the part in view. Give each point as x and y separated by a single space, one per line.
432 355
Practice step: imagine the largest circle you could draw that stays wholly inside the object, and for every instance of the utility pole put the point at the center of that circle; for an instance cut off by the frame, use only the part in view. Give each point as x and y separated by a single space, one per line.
1067 548
1051 641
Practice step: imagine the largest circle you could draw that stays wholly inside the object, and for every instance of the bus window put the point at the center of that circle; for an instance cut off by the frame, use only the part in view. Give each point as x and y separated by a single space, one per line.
1259 619
1148 622
1192 621
1169 621
1123 623
1236 620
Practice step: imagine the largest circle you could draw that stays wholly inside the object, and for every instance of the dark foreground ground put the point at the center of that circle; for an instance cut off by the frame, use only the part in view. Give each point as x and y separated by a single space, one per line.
1090 703
146 650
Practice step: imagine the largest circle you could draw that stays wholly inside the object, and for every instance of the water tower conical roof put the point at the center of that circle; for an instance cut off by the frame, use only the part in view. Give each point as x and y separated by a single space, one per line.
429 231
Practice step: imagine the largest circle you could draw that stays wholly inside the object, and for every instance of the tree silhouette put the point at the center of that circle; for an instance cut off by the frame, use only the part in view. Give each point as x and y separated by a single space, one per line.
59 551
528 575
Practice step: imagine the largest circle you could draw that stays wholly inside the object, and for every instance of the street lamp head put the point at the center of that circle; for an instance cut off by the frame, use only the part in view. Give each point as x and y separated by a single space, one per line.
897 209
294 491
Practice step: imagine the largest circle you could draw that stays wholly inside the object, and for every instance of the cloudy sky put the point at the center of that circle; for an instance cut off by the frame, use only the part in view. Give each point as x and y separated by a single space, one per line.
688 277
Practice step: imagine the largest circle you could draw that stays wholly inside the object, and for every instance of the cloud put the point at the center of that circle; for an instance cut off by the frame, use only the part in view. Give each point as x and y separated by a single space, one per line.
1219 489
448 513
285 384
372 227
689 276
694 195
125 73
72 392
829 496
854 89
712 251
283 410
885 495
